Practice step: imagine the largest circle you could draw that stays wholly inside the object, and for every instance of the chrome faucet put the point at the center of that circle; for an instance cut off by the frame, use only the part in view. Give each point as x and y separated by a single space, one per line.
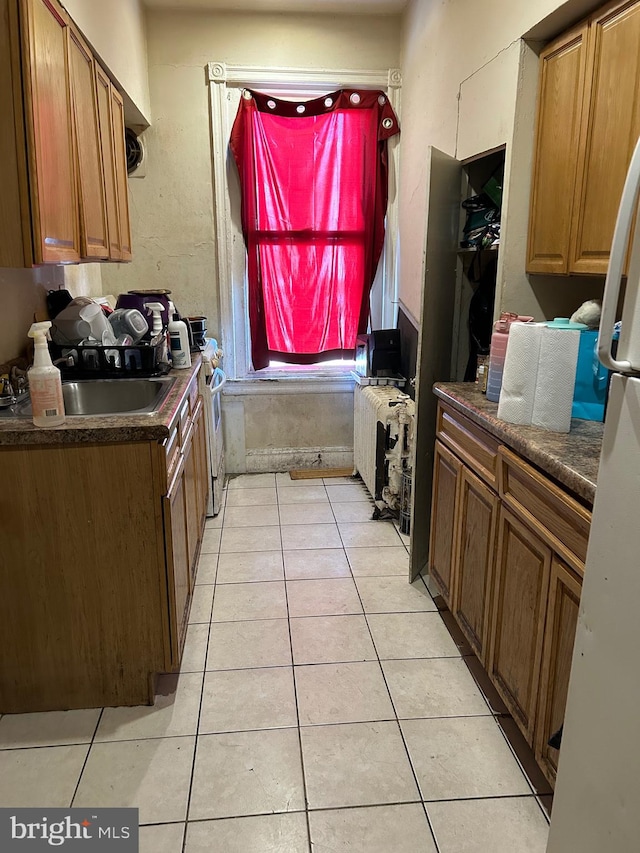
18 380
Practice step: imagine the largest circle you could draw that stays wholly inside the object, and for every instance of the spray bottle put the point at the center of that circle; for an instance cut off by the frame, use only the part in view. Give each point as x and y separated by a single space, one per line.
156 308
45 382
179 337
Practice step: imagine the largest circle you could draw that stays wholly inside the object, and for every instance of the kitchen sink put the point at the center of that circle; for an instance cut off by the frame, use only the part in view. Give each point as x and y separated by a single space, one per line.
90 397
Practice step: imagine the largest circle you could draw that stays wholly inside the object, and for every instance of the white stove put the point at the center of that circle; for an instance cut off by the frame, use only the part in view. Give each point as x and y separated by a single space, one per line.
212 381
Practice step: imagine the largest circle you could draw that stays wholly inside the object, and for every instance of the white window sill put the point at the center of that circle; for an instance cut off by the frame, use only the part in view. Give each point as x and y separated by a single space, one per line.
273 381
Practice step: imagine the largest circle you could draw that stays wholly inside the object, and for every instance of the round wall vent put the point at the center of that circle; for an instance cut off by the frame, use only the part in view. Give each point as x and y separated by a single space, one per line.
135 150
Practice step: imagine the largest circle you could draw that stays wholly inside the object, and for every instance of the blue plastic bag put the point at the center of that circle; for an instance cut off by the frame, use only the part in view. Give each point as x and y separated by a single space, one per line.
592 380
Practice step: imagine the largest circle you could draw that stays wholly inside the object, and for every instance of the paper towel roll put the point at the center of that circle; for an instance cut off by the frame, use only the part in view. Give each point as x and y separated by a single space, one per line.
520 376
556 379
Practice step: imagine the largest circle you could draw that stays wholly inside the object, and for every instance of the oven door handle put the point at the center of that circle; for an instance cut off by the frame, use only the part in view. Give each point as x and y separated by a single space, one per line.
218 381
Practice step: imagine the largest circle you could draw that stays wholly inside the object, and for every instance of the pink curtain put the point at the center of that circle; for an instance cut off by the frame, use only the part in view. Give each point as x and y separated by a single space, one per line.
313 177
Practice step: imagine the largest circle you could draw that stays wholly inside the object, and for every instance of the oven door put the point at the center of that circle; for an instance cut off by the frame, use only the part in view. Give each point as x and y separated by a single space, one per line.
213 402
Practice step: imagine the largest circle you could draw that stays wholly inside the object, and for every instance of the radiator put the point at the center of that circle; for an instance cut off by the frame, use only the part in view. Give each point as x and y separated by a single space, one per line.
383 421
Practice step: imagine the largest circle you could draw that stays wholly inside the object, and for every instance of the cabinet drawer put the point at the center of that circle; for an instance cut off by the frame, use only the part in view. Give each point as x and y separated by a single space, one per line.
471 443
557 517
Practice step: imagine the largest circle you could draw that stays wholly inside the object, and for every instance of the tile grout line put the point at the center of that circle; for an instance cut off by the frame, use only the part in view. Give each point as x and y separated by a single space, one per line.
295 696
397 720
86 758
413 772
204 678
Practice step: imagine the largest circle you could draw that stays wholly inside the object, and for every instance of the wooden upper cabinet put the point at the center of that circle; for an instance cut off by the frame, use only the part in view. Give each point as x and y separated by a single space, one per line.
91 184
560 98
610 130
588 122
49 124
120 159
63 173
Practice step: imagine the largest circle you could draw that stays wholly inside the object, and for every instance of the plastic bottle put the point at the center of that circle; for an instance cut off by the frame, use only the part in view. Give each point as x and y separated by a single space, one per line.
45 381
179 339
499 340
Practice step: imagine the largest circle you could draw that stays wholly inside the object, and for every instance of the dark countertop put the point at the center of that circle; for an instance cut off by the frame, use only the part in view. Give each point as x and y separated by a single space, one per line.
17 432
572 458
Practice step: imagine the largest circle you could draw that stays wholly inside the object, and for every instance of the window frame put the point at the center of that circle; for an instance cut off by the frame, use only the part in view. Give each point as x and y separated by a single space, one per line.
234 320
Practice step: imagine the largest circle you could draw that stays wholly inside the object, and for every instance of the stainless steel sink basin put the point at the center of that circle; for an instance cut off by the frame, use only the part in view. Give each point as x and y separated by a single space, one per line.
108 397
116 396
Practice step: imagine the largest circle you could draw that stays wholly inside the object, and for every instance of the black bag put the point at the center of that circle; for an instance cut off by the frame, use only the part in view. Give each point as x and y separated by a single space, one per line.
57 300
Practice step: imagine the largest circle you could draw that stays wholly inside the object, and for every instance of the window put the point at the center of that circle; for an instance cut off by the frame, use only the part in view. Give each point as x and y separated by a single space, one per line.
226 87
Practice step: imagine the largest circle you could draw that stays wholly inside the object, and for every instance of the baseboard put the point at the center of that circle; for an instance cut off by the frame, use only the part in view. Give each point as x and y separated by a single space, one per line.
286 458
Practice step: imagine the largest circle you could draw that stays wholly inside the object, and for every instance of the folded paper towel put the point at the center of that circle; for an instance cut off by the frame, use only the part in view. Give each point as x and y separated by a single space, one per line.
539 376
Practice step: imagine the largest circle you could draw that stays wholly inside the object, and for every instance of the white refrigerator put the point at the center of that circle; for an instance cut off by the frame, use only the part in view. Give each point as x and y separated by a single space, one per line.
597 798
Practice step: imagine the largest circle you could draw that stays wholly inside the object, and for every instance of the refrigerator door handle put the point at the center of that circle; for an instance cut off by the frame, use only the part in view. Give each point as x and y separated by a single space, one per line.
619 246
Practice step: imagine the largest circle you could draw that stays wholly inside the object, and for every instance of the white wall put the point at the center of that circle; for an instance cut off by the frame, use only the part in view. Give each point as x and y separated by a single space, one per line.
468 86
116 31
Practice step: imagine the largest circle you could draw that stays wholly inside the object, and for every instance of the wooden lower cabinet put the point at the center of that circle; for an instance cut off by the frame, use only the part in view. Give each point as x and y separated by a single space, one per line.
101 540
446 473
474 559
557 653
523 563
507 554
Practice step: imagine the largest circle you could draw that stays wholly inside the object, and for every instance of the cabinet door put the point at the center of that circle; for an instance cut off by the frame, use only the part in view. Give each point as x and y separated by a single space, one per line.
559 636
51 162
520 595
91 186
177 556
446 475
103 98
122 181
560 102
611 126
474 559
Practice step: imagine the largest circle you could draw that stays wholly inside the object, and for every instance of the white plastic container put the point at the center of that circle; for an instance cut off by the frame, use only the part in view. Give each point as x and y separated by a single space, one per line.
179 340
45 382
129 321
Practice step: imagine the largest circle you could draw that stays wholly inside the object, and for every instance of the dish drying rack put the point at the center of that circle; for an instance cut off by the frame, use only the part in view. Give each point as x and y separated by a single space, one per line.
110 362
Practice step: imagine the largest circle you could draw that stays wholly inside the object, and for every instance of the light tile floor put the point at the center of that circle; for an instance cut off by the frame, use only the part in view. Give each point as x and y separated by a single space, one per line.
324 704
